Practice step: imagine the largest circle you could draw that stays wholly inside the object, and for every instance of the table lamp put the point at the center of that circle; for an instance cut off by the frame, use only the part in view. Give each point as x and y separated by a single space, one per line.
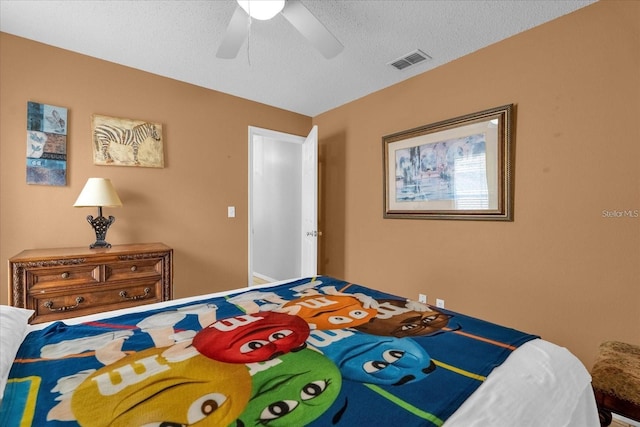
99 192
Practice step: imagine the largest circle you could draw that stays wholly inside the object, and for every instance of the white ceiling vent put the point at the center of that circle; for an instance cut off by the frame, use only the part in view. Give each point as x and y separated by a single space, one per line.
411 58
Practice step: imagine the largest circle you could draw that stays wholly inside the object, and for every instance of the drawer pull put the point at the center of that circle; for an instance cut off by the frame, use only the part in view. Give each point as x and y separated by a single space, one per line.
123 294
65 275
134 268
49 305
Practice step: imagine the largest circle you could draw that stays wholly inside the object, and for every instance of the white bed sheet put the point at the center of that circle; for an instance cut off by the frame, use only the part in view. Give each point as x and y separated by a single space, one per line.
553 382
540 385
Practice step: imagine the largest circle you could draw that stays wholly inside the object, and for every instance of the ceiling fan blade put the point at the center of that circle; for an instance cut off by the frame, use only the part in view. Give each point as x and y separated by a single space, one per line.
310 27
236 34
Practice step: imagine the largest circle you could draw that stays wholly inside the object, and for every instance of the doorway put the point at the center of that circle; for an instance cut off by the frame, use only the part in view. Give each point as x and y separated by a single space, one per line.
282 205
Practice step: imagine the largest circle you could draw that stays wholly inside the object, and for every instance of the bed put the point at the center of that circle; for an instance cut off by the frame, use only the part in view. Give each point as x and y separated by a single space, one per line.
313 351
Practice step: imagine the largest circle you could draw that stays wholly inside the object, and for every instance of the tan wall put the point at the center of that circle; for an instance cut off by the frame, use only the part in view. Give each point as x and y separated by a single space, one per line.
183 205
560 269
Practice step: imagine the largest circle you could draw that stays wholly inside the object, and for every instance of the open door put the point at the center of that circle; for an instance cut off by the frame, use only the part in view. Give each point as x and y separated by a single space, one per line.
309 207
283 205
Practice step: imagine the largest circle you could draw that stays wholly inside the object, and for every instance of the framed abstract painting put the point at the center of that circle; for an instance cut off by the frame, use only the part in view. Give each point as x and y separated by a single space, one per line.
461 168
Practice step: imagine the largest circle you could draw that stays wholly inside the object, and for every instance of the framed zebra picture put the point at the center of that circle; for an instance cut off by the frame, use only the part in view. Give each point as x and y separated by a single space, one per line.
126 142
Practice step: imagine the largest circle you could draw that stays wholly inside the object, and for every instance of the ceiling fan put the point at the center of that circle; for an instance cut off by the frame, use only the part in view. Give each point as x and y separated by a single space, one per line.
293 10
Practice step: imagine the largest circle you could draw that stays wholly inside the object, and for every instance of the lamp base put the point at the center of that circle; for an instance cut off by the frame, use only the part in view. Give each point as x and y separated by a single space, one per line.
100 225
100 244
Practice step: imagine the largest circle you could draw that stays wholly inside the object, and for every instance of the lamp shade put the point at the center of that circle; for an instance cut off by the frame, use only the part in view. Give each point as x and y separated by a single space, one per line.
98 192
262 9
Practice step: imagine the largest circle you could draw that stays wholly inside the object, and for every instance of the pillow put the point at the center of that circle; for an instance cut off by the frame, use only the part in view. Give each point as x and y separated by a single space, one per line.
13 324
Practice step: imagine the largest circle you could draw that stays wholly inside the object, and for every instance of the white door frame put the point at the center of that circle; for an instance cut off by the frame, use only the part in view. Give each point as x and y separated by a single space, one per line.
308 240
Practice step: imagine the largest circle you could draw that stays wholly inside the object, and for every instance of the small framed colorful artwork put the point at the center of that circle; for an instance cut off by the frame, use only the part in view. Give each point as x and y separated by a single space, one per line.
46 144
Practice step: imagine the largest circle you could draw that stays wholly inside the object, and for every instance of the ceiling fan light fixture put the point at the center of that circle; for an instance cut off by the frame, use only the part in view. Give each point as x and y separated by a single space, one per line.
262 9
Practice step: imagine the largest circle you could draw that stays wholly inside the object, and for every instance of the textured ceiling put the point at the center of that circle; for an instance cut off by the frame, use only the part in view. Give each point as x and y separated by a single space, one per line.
277 66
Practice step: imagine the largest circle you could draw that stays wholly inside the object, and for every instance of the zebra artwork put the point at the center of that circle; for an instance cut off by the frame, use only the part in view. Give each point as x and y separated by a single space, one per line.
107 134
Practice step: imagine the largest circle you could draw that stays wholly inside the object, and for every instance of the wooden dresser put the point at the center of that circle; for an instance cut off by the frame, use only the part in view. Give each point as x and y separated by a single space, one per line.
68 282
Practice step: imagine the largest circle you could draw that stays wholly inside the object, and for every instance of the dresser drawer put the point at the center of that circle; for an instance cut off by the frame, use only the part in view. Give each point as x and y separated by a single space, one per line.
78 302
40 279
134 269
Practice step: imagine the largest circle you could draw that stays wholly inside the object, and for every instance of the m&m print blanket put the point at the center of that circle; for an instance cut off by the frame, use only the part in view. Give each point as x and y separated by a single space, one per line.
317 351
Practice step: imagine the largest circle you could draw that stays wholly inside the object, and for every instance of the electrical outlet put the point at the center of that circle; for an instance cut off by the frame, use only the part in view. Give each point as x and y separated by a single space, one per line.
439 303
422 298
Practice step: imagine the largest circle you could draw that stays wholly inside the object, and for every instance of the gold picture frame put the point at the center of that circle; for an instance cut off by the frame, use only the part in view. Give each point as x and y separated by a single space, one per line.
461 168
126 142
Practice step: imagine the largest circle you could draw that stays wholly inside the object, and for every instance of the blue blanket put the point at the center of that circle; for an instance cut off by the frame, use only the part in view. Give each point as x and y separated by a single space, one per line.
318 351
